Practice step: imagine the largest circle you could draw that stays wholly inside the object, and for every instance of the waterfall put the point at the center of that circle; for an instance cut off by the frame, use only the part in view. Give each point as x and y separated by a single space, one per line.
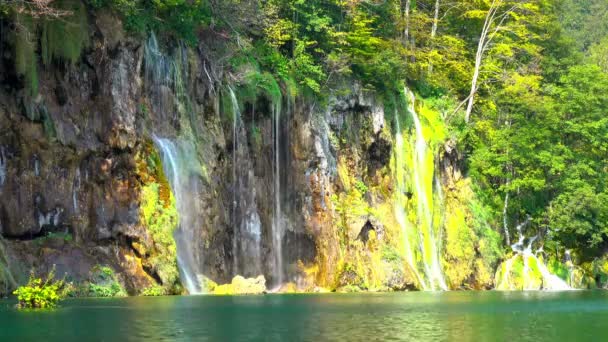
181 166
423 178
3 161
550 281
420 242
400 214
247 237
277 231
75 189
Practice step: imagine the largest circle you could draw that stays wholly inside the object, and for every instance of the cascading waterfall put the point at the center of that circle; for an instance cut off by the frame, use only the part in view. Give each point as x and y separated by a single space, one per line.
550 281
420 242
181 166
423 178
164 76
400 213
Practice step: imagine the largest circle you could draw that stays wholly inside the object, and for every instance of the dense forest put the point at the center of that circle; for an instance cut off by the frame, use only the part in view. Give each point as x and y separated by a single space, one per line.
520 88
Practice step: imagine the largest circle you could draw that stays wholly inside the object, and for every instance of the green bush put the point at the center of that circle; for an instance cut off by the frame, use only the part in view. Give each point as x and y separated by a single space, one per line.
105 283
40 293
154 291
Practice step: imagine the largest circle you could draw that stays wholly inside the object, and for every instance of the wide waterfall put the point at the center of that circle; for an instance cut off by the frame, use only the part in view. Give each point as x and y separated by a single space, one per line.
181 166
420 239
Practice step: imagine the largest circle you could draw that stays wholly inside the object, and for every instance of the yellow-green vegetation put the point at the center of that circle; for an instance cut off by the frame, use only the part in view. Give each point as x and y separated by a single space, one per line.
154 291
472 248
242 286
371 262
161 220
519 273
40 293
159 215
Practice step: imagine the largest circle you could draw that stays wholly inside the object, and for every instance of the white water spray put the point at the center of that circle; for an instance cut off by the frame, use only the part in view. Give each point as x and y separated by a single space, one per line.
523 250
423 179
420 242
182 169
277 231
75 190
246 241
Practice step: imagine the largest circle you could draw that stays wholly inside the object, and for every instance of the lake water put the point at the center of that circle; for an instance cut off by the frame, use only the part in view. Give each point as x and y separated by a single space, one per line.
415 316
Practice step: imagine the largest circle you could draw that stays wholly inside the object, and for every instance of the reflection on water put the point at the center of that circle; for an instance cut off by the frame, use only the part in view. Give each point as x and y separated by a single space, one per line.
451 316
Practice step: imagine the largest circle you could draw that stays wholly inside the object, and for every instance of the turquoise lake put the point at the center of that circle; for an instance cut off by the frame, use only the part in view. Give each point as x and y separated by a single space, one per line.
414 316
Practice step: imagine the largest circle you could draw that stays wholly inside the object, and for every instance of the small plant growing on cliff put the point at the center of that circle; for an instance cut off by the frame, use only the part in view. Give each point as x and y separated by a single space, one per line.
105 283
361 187
40 293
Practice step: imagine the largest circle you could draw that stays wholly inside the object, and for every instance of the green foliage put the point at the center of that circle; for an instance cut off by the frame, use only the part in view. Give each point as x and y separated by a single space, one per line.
104 283
390 254
40 293
182 18
361 187
67 237
154 291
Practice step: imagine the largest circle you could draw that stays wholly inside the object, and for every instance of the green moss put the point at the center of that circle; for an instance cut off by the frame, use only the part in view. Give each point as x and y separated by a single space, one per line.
25 41
66 237
161 219
104 283
63 39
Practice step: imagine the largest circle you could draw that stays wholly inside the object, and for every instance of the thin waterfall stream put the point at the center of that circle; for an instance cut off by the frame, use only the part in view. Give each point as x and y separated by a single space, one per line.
420 240
182 169
277 231
247 237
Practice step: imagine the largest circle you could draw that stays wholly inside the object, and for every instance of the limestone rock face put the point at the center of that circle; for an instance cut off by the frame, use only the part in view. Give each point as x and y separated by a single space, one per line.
74 161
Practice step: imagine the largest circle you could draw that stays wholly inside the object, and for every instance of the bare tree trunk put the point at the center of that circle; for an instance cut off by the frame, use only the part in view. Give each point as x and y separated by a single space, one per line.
406 16
484 41
479 57
434 30
435 20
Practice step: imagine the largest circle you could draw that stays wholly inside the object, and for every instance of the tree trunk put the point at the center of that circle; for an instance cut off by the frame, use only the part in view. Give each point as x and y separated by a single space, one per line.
481 47
434 30
406 16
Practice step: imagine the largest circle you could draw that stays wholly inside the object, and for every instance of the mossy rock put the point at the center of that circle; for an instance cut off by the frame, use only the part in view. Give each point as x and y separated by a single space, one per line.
512 275
242 286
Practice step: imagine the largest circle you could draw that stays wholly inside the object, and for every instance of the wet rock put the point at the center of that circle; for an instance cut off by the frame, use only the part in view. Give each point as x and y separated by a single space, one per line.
242 286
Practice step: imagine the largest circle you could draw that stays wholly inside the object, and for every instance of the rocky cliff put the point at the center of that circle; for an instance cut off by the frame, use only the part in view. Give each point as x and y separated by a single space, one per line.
165 163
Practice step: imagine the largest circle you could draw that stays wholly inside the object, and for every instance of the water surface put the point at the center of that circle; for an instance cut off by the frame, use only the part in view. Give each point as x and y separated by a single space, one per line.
416 316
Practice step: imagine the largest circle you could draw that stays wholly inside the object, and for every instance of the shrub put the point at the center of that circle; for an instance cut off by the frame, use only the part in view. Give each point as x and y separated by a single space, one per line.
40 293
105 283
154 291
